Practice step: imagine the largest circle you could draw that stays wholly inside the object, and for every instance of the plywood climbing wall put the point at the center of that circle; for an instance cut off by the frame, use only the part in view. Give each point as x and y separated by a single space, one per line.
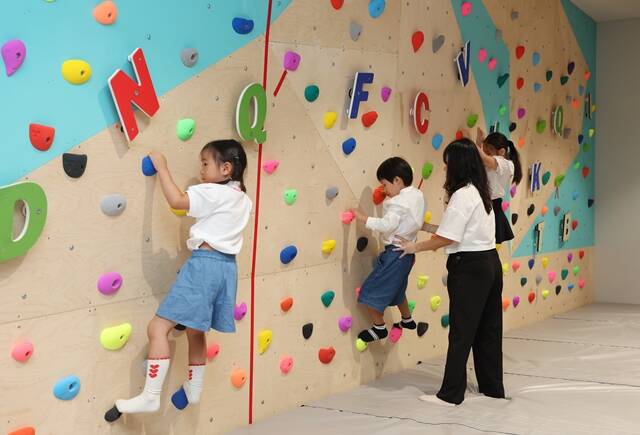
49 296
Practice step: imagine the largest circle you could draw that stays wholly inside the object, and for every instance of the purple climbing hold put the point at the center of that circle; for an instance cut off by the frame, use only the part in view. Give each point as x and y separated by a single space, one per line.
240 311
291 60
344 323
109 283
13 54
385 93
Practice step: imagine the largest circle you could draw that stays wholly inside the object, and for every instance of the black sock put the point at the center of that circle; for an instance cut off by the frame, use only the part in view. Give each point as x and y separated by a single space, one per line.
406 324
377 332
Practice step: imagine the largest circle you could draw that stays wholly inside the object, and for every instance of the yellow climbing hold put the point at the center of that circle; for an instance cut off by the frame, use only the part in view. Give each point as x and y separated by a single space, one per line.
545 294
76 71
115 337
592 131
505 268
328 246
178 212
329 119
498 246
435 302
422 281
361 345
545 262
427 217
264 340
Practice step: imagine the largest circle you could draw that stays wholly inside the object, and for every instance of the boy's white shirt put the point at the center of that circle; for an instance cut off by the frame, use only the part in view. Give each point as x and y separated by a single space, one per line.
403 216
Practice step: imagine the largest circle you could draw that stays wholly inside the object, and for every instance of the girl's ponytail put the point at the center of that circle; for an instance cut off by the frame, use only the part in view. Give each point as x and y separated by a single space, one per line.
514 156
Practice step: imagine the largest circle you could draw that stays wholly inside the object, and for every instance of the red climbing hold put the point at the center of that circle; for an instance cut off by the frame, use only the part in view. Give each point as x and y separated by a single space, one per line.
369 118
585 171
520 83
531 297
459 135
337 4
41 136
379 195
581 254
574 225
519 51
326 354
286 304
416 40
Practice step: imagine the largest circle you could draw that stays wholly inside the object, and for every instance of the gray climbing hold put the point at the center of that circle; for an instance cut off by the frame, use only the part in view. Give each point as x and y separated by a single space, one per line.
515 15
355 30
437 43
556 210
538 279
444 279
331 192
189 57
113 205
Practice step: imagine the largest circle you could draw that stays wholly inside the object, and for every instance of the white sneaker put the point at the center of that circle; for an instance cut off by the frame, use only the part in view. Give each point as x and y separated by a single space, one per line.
433 399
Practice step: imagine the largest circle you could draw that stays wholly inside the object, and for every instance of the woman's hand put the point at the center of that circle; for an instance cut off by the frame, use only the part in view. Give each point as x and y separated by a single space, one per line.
404 245
158 159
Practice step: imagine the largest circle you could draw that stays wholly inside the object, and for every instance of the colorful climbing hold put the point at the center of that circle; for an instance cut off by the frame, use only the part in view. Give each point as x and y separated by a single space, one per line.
545 262
558 180
327 297
546 177
212 351
520 51
545 294
444 320
311 93
41 136
523 281
541 125
531 210
427 217
558 289
109 283
67 388
147 167
286 304
286 364
344 323
515 265
531 297
115 337
466 8
395 334
472 120
436 141
521 112
307 330
379 195
505 303
106 13
270 166
76 71
242 26
427 170
361 345
291 61
532 263
239 311
264 340
551 276
329 119
416 40
238 377
564 80
422 281
482 55
178 213
189 57
492 64
514 218
549 75
74 165
369 118
385 93
348 146
347 217
376 8
337 4
331 192
14 52
435 302
516 301
502 79
27 430
325 355
185 128
412 306
290 196
581 283
520 83
535 58
328 246
22 351
288 253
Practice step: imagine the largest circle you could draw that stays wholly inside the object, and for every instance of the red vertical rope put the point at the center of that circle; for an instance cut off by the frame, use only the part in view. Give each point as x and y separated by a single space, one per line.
255 224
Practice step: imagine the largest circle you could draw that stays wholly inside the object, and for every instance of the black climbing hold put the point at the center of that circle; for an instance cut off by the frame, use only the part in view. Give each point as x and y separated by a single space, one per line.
112 415
422 328
180 327
513 126
590 202
531 209
307 330
74 164
558 288
514 218
362 243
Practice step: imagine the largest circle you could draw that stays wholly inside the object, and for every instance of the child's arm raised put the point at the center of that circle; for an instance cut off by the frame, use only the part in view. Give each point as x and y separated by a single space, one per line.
488 161
176 198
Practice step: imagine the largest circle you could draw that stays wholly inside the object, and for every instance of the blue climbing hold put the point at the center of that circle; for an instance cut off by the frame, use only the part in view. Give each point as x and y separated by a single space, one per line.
67 388
575 195
288 254
571 286
532 262
535 58
537 87
179 399
242 25
348 146
147 167
376 8
436 141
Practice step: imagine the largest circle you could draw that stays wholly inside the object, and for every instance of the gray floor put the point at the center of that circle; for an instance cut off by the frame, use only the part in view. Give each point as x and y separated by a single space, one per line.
576 373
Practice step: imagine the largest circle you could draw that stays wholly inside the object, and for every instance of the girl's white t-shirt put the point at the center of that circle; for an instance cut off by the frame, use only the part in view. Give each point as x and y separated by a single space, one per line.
500 179
222 212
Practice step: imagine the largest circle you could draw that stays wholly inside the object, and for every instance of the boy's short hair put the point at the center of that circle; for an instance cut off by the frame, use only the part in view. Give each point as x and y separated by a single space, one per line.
395 167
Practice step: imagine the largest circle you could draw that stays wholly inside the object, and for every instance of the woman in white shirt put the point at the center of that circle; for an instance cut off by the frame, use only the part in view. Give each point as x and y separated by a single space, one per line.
467 232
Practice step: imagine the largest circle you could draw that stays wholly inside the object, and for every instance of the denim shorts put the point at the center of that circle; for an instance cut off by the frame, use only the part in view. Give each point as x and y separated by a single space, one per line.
386 285
204 294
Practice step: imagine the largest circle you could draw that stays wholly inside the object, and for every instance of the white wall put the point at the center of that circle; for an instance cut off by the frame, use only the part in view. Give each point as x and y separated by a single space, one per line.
618 163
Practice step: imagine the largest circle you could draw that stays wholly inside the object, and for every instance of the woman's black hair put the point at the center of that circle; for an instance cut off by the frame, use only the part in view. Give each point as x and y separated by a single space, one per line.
464 166
395 167
500 142
231 151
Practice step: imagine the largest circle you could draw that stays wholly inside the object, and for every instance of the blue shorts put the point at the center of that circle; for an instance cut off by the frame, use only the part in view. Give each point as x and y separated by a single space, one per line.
387 283
204 294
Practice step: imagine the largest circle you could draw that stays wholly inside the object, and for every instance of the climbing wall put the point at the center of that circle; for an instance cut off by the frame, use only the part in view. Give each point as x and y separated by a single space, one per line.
49 296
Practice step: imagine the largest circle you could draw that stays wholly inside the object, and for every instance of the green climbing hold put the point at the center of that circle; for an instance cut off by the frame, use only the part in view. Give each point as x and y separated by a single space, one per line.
472 120
558 180
327 297
577 165
546 177
576 270
541 125
502 110
585 147
502 79
427 169
311 93
412 306
564 274
549 75
564 80
290 196
444 320
523 281
361 345
185 128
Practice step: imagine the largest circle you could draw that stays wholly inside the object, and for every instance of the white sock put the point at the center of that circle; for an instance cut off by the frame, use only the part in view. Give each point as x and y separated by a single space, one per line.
149 399
193 386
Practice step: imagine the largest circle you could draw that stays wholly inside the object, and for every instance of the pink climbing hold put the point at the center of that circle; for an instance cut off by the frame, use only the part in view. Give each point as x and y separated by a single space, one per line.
109 283
347 217
21 352
515 265
521 112
385 93
551 276
582 283
505 205
570 257
357 292
212 351
395 334
13 54
513 190
286 364
482 55
344 323
270 166
291 61
240 311
493 63
466 8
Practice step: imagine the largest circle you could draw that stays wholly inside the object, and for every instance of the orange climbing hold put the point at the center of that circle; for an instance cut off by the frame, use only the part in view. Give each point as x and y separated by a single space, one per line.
379 195
106 12
369 118
286 304
24 431
238 377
